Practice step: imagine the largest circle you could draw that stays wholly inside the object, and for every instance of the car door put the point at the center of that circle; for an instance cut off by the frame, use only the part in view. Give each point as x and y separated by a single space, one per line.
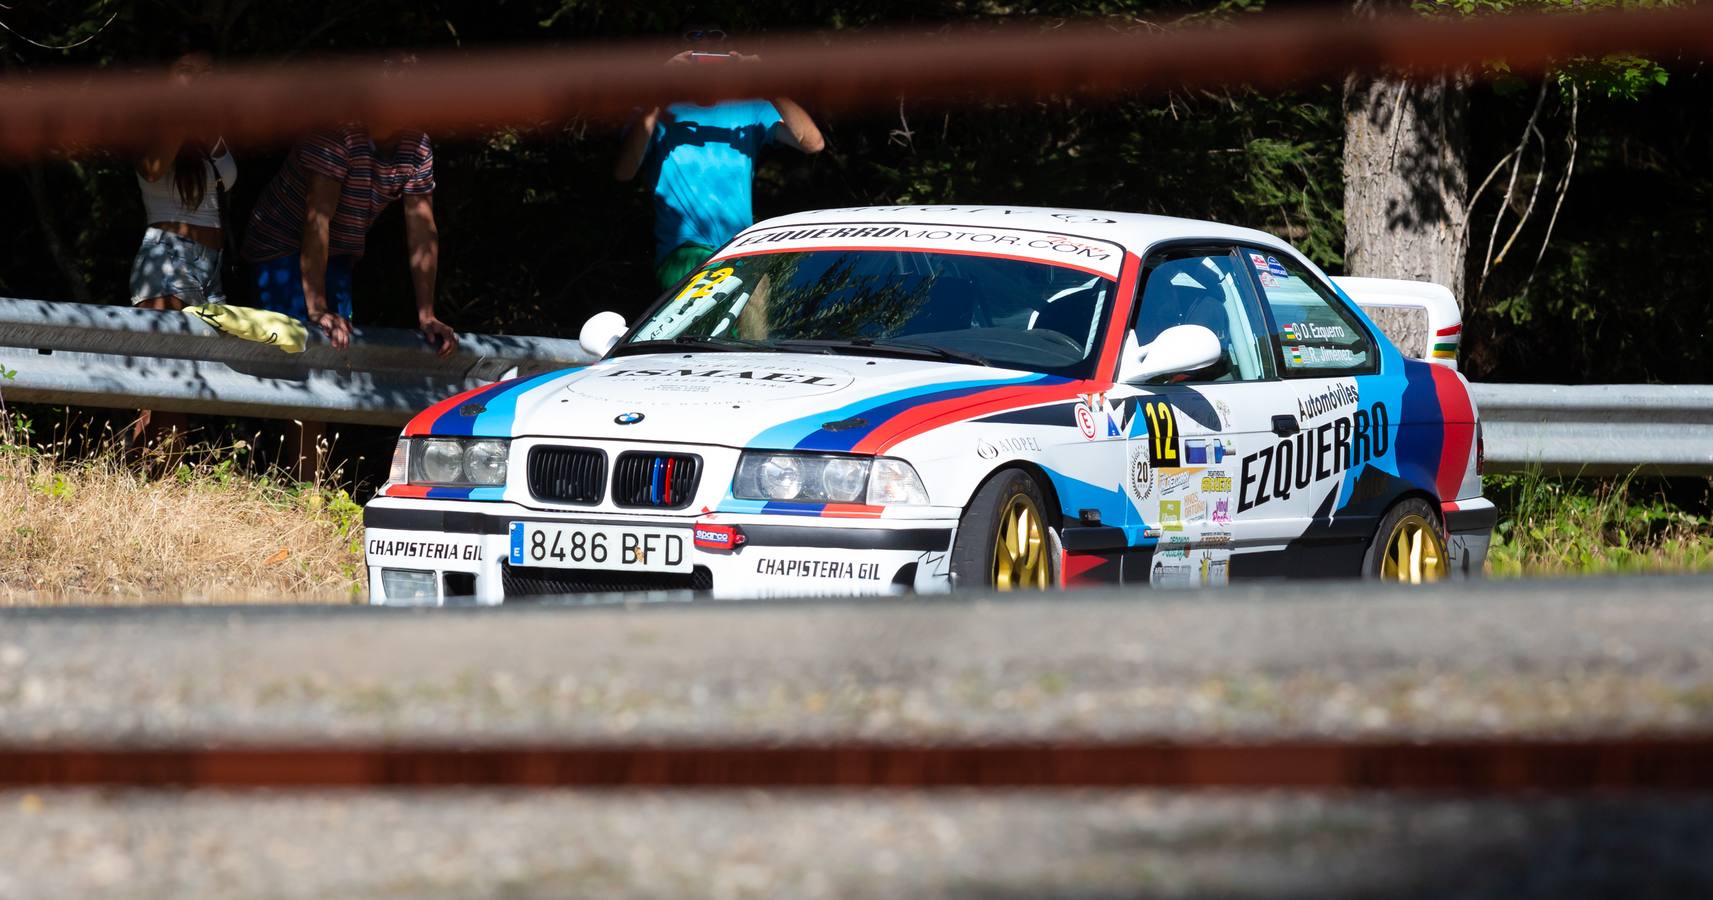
1334 424
1189 435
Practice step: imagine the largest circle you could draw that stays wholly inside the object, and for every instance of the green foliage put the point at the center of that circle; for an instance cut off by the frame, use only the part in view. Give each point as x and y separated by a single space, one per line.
55 487
16 431
1289 179
1613 77
1558 526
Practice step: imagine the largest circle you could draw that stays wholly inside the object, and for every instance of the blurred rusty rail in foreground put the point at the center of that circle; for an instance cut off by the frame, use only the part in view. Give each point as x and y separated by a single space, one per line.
262 104
1671 763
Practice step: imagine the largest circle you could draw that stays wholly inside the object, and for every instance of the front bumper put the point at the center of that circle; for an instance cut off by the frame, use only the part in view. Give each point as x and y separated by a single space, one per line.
467 545
1469 531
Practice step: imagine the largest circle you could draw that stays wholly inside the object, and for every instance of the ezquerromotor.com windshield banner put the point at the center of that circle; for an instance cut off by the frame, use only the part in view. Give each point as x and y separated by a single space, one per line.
1096 257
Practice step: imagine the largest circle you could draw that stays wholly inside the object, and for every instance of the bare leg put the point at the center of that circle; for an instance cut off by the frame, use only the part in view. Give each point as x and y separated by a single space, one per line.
154 427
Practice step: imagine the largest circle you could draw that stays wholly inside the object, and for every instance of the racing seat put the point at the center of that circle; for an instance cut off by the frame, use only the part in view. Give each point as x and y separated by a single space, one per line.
1208 311
1166 303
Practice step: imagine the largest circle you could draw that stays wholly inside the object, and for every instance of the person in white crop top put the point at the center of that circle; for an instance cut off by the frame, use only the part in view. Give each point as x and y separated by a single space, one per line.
178 264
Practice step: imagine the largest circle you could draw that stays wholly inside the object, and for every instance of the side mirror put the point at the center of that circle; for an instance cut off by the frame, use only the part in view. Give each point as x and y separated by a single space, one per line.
1178 350
601 332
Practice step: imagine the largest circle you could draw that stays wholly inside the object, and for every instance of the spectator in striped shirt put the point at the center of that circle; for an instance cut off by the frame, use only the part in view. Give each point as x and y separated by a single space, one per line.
309 227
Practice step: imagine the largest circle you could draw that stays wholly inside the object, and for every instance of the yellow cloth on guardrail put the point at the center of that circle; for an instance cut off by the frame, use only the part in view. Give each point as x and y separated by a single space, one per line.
259 325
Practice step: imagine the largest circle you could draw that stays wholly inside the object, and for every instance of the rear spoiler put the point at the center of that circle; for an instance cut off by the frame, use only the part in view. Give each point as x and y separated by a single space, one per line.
1420 317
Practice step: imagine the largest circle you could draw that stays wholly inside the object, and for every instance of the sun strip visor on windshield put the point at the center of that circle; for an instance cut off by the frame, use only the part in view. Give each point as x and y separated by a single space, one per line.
1096 257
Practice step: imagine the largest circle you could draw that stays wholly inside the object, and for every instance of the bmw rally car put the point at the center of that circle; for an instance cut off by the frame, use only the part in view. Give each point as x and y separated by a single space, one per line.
877 400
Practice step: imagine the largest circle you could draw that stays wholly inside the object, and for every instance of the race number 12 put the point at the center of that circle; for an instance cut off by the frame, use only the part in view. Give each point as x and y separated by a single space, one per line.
1162 433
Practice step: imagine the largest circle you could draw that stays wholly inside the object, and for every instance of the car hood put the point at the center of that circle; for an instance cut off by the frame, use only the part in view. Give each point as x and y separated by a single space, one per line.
732 399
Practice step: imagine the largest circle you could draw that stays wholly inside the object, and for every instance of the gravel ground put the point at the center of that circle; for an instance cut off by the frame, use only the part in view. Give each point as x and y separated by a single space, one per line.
1079 845
1541 658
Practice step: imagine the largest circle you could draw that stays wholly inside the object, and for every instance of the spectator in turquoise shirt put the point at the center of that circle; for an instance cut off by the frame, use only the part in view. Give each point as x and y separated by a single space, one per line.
702 159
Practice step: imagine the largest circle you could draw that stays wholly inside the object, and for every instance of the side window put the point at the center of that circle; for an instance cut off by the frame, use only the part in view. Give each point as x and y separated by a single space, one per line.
1316 336
1205 286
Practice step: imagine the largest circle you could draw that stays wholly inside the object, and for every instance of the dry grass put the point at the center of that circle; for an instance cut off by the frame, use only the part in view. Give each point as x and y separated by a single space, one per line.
200 529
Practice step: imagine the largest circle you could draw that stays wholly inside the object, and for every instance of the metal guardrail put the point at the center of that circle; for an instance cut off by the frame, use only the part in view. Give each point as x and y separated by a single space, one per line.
113 356
1598 429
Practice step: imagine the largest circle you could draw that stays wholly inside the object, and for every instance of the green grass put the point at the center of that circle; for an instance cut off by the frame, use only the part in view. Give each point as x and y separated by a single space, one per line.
1569 526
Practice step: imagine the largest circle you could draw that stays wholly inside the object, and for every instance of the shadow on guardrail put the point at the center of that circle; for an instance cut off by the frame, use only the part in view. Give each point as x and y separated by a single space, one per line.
119 357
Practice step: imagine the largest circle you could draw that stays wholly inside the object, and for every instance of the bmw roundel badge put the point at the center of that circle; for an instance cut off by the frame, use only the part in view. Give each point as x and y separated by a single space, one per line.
630 418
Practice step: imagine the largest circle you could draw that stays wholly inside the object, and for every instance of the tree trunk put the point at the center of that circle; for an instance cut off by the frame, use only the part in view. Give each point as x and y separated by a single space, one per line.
1406 178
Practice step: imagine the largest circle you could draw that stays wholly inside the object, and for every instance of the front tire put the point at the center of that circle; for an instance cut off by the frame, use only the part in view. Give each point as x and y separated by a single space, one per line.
1409 545
1004 541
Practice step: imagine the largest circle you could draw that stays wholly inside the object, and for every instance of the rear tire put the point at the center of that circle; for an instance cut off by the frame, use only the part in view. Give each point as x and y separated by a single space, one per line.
1409 546
1004 540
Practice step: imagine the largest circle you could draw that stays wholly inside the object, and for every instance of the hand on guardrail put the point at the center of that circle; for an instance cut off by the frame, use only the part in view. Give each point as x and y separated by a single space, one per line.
335 326
440 336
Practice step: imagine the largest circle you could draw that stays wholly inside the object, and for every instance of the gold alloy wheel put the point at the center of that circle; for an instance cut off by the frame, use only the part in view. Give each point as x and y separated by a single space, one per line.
1020 549
1414 552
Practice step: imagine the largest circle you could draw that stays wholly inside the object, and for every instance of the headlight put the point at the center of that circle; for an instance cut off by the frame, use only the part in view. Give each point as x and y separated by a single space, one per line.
781 477
461 461
442 462
813 478
485 462
845 477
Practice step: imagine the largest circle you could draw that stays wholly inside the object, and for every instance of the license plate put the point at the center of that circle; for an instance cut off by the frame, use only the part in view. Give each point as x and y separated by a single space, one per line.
611 547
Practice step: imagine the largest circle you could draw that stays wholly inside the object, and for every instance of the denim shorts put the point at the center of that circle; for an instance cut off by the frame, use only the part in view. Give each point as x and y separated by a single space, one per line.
279 285
171 265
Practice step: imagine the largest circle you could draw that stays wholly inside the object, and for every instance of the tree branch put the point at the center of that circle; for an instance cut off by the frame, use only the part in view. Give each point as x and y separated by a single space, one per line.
1534 194
1563 188
1510 188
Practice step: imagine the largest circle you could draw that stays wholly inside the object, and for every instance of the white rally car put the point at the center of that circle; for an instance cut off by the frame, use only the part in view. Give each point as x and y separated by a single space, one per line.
881 400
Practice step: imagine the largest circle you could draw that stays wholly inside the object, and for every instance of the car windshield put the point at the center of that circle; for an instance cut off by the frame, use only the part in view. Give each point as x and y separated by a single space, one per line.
990 310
